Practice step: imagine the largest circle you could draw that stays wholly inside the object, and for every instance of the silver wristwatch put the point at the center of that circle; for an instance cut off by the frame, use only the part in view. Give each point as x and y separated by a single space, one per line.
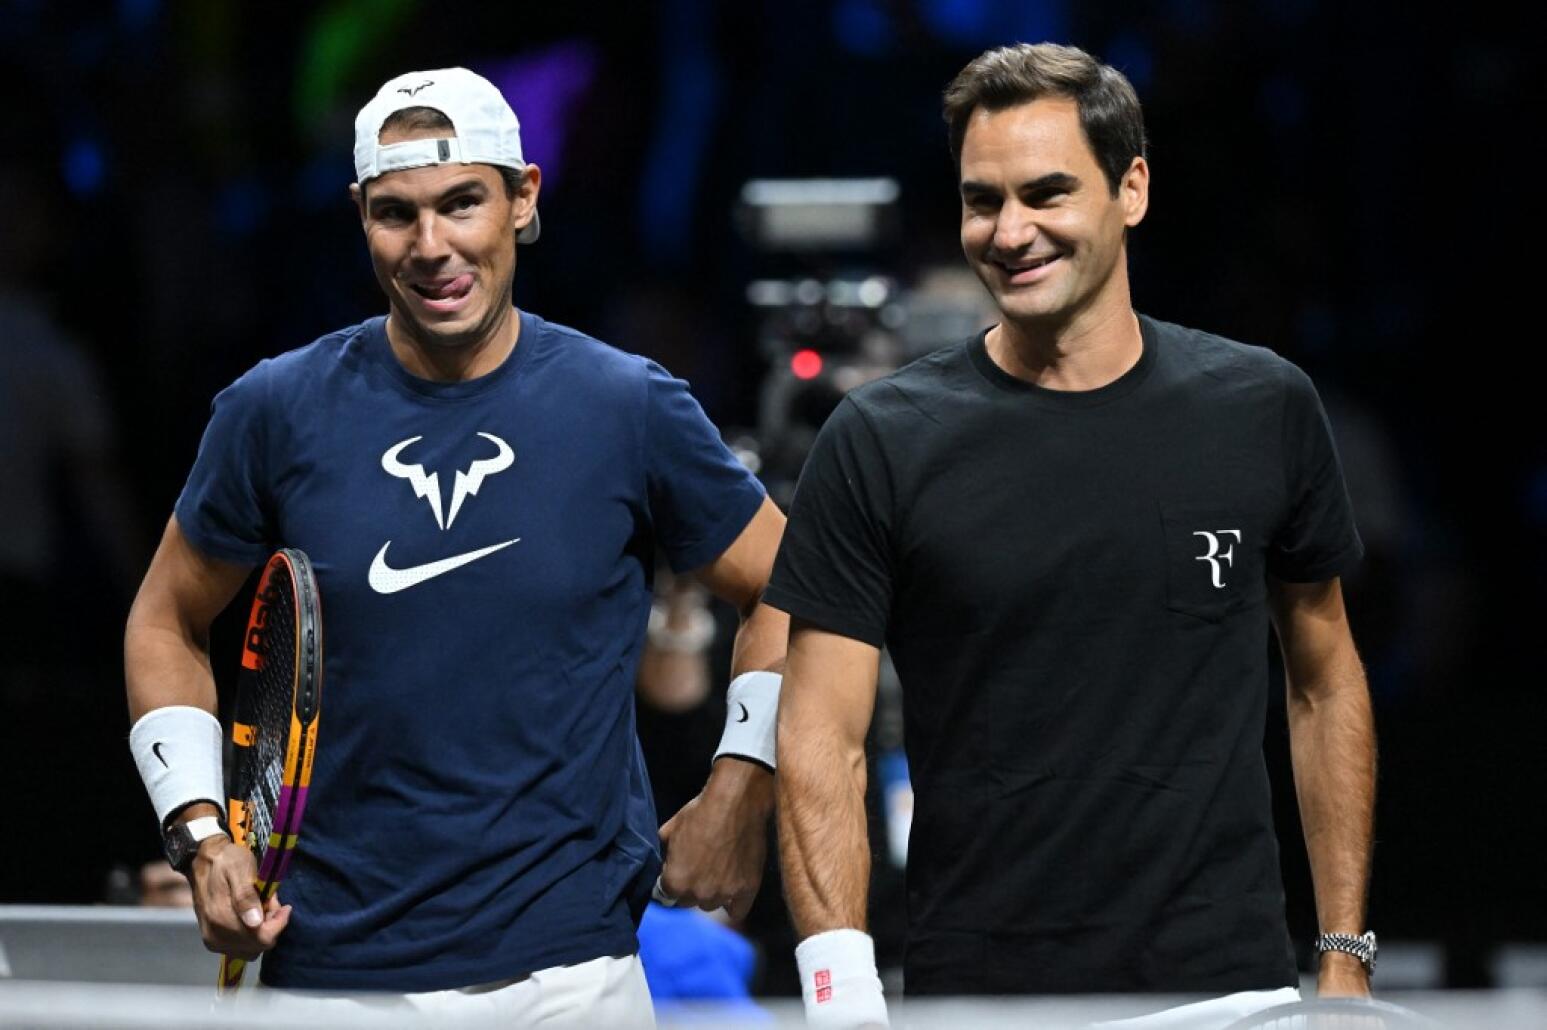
1361 947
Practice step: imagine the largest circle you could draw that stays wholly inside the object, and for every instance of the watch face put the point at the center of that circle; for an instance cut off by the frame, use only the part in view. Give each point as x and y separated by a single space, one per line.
180 847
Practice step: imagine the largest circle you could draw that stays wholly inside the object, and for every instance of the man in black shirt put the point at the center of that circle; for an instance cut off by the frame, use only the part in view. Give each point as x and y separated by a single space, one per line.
1073 532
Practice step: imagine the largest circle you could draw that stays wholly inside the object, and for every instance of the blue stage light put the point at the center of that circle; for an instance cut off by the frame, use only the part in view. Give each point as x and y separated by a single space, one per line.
863 27
979 23
1131 55
84 167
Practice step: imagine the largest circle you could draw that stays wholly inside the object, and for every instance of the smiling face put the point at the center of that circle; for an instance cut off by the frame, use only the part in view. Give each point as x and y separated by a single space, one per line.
442 240
1039 223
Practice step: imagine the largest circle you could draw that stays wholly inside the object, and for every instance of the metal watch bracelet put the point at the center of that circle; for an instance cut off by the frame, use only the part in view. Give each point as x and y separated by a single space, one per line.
1360 946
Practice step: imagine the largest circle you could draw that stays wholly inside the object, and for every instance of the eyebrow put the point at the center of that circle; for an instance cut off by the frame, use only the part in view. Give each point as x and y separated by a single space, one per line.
1050 181
455 189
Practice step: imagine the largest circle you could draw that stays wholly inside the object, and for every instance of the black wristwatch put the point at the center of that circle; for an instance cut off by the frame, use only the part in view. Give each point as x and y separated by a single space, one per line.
181 841
1361 947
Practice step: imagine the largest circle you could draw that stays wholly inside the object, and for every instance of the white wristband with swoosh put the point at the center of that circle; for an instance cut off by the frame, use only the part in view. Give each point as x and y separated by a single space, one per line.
751 718
177 750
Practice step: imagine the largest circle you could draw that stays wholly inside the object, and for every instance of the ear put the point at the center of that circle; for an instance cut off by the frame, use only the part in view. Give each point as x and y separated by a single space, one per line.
524 204
357 195
1134 192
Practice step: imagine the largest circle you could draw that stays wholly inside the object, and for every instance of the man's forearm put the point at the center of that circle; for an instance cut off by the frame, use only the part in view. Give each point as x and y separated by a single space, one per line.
760 640
163 666
166 638
1332 744
824 847
759 646
717 844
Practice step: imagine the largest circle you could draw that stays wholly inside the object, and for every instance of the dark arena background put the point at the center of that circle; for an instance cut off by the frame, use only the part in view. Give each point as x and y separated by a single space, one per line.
759 196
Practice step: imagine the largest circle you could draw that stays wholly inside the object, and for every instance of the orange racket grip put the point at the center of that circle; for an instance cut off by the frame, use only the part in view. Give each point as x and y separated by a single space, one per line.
231 971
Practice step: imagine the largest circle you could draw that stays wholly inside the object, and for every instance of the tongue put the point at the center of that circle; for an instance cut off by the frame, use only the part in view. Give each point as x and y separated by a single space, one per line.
455 288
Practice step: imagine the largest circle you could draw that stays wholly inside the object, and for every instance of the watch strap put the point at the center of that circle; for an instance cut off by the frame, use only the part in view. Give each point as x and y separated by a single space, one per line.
1360 946
206 826
181 841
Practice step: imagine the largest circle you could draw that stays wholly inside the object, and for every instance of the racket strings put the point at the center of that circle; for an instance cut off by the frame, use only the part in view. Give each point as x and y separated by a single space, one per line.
261 774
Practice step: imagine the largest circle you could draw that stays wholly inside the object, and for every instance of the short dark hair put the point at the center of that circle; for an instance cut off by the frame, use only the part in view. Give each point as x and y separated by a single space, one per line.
421 119
1110 115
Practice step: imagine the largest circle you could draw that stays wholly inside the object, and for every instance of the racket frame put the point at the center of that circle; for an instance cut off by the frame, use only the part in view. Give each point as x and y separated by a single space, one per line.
301 739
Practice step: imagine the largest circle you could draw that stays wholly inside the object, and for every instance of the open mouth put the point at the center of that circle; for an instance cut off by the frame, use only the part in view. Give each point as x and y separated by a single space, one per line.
444 294
1019 268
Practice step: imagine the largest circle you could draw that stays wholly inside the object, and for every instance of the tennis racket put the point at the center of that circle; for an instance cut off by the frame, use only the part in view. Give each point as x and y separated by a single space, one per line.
274 731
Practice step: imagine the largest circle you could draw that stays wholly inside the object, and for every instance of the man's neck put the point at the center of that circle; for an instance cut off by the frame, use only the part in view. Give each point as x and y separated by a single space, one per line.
1086 352
458 363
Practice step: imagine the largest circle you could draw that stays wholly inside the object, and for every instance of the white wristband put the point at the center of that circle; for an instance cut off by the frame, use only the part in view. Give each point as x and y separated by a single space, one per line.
177 749
838 980
751 717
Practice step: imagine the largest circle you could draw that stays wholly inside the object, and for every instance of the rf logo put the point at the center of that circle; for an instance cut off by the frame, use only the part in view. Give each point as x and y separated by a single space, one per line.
1215 555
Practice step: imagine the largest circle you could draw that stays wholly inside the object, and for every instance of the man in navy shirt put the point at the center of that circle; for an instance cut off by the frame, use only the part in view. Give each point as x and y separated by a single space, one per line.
482 494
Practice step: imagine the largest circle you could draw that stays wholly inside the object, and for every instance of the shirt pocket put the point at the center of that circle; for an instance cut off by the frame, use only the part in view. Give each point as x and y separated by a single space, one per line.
1214 560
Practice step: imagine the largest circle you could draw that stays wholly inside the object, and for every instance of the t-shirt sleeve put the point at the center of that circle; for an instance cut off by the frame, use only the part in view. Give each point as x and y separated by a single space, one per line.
1317 540
222 509
834 567
701 497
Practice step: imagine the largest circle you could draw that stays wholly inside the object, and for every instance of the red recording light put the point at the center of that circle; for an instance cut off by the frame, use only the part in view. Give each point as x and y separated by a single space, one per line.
806 364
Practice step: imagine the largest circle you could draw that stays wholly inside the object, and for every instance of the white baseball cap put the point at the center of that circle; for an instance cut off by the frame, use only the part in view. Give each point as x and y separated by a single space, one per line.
487 131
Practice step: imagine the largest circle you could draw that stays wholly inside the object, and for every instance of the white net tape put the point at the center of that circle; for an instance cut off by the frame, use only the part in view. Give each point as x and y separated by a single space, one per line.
109 967
26 1004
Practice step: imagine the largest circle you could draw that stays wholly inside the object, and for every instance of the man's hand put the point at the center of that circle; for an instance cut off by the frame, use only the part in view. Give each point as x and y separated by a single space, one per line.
1341 976
232 920
715 846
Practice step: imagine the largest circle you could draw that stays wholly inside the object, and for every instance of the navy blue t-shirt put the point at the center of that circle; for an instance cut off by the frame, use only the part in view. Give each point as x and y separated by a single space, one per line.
479 807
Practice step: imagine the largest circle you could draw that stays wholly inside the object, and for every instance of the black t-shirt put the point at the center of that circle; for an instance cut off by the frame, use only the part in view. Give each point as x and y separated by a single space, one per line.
1073 586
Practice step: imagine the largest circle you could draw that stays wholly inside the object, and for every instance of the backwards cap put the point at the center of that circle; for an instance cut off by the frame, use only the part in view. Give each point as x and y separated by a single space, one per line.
487 131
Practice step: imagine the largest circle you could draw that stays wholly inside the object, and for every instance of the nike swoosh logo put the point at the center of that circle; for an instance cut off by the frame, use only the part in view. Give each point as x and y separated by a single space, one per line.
745 715
156 750
384 579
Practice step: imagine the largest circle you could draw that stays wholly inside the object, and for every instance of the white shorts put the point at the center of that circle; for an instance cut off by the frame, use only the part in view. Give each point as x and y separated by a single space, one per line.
604 992
1207 1015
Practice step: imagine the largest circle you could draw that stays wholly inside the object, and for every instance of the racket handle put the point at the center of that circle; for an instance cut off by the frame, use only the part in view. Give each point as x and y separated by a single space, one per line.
231 973
232 969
